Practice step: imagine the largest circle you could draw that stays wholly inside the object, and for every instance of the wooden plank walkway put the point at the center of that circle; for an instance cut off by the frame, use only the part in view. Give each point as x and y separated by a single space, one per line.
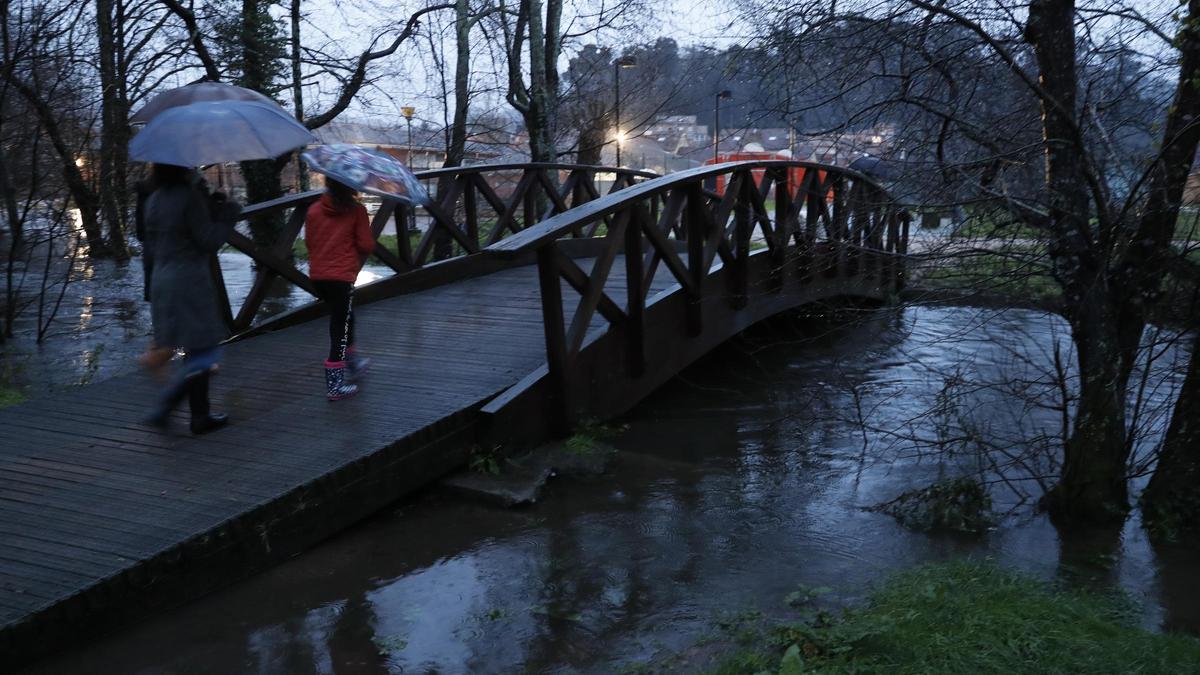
103 520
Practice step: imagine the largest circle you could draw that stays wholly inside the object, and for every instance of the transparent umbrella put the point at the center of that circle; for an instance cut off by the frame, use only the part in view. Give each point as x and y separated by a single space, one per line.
213 132
197 93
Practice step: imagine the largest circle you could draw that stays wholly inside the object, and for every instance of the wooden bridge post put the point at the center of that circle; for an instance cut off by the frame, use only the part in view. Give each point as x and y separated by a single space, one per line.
556 338
902 249
741 240
695 217
635 310
783 226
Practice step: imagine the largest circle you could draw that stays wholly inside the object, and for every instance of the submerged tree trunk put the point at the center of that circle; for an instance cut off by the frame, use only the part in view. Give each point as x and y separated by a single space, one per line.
1092 486
8 193
81 193
1171 503
1172 498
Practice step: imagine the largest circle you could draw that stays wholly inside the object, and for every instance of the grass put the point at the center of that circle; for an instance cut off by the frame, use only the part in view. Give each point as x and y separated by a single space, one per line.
300 249
1018 273
985 227
974 618
10 396
10 393
1187 228
958 505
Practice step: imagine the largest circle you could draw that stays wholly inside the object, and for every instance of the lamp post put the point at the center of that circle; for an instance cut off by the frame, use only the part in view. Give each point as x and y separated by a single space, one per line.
623 62
408 111
723 94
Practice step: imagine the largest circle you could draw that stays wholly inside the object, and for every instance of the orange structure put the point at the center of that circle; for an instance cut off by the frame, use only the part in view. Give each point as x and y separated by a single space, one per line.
795 174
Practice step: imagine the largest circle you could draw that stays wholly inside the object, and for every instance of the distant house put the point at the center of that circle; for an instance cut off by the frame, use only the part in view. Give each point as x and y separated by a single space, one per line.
424 149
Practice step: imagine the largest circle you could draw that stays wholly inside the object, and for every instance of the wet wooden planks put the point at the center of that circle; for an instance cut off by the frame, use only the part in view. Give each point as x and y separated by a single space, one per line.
89 497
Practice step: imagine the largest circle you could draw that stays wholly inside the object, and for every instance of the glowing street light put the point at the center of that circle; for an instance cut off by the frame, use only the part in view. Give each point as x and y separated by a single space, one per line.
623 62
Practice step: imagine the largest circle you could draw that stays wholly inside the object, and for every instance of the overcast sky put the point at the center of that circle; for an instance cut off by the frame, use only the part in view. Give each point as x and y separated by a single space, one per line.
410 77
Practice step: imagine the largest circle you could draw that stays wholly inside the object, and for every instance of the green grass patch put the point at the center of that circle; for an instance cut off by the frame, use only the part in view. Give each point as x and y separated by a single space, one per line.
958 505
10 396
1020 273
1187 225
998 226
966 617
994 227
10 393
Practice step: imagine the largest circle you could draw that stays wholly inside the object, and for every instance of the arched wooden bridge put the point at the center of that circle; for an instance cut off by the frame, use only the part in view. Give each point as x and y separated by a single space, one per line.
537 295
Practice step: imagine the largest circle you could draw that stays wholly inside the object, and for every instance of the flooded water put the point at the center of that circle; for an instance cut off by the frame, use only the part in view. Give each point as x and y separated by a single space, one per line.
739 482
102 323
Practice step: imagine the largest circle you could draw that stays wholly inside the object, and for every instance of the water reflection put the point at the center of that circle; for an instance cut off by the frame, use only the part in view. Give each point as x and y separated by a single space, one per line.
102 322
736 483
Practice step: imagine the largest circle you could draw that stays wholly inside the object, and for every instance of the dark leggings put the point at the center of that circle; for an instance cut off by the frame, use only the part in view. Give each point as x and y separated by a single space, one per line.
339 295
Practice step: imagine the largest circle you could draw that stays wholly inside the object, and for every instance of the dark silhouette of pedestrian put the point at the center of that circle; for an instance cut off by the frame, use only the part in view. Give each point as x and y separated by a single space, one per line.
184 226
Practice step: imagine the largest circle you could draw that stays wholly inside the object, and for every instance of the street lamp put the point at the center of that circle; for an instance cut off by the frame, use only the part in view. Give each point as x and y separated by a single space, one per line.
623 62
408 111
723 94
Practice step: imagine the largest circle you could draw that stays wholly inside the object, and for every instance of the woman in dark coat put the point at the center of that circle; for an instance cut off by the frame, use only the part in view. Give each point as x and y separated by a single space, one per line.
184 228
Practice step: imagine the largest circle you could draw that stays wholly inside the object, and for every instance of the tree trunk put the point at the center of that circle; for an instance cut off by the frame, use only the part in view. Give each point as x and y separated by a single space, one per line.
1171 503
456 149
112 124
591 143
8 193
297 87
1092 489
82 194
263 183
1092 486
541 118
262 177
1172 499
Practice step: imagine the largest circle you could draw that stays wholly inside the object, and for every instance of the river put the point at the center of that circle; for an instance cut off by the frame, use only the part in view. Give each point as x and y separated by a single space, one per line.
744 479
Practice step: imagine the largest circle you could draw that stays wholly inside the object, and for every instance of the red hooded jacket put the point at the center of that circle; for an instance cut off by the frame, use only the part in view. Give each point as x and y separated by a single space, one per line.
337 240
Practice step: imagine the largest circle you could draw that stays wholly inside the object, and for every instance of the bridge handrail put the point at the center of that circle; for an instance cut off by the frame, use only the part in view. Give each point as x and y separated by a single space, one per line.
459 222
512 166
825 222
558 225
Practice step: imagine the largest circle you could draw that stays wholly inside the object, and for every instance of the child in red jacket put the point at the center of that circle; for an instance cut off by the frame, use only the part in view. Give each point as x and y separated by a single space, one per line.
337 232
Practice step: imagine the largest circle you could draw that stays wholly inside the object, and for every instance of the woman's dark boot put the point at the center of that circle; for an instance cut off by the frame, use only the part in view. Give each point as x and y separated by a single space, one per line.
203 421
172 398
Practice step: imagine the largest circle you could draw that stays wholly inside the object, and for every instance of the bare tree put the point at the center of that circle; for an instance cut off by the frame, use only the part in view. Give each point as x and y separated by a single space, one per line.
980 88
259 54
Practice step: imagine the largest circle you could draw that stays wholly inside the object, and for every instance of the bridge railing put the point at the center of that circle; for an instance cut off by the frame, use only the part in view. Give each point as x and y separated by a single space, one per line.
826 220
473 207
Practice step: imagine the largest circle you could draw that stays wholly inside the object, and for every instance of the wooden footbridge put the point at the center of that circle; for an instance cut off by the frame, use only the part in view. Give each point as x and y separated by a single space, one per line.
531 300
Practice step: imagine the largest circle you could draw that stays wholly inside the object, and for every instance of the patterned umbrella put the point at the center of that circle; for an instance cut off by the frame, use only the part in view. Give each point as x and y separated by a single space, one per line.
195 93
367 170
